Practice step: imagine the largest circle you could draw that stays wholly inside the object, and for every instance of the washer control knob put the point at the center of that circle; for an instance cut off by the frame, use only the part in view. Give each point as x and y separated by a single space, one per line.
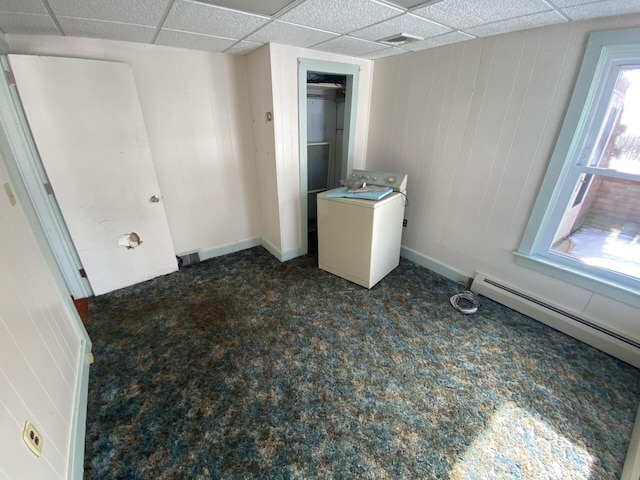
391 180
375 178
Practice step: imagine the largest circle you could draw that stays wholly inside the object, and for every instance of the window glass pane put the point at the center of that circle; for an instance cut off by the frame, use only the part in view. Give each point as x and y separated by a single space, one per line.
585 225
617 145
601 226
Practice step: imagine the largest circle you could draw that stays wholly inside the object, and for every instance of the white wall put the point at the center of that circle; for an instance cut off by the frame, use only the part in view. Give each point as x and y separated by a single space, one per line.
474 125
261 102
284 77
196 109
201 129
42 354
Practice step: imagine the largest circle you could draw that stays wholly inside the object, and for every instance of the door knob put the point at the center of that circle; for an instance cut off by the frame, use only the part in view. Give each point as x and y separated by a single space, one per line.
154 199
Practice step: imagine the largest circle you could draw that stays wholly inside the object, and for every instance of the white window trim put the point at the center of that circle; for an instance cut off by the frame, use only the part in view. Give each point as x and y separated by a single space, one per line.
604 51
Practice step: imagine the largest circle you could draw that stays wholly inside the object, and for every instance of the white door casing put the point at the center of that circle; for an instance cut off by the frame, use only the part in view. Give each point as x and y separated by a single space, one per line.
87 123
345 160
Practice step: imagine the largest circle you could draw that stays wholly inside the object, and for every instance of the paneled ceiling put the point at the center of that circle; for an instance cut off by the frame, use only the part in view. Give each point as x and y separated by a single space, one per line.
360 28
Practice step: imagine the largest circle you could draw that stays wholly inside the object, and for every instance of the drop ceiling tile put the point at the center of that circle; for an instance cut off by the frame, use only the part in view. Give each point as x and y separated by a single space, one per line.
82 27
138 12
602 9
338 15
187 16
242 48
349 46
263 7
571 3
568 3
290 34
407 3
173 38
387 52
519 23
462 14
445 39
407 23
23 6
27 24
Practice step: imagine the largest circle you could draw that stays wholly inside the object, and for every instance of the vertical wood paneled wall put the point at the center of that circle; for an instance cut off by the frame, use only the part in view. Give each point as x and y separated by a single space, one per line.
196 110
261 102
40 350
284 68
474 124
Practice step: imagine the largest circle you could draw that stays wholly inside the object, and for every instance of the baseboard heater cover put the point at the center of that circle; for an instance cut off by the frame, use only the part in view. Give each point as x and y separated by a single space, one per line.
559 319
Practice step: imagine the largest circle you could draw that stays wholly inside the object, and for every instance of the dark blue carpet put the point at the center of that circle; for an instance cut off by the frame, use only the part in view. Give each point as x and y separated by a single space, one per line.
244 367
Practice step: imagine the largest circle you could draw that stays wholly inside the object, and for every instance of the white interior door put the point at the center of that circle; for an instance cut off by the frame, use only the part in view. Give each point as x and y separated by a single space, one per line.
86 121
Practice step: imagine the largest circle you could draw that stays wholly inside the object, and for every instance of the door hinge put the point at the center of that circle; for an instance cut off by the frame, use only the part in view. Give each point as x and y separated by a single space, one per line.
82 273
11 80
48 188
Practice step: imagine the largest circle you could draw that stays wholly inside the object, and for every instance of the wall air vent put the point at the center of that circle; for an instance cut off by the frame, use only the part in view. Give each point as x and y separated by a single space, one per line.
187 259
400 39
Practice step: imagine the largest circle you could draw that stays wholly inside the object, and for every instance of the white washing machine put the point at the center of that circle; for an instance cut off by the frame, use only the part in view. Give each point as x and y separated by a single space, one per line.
359 233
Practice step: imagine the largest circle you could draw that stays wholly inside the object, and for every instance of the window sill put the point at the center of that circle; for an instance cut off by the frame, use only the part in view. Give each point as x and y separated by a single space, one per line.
607 287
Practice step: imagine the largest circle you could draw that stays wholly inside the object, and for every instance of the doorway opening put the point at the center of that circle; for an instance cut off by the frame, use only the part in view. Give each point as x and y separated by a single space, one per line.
325 128
327 109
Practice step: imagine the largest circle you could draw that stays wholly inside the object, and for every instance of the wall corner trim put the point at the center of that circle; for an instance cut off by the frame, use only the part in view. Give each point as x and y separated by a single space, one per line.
631 469
75 462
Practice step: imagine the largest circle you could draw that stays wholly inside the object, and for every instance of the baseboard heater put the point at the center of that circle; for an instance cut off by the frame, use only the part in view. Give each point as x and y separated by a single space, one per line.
589 332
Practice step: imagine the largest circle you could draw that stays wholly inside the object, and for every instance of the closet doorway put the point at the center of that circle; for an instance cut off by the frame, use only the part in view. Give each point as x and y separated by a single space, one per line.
327 104
325 127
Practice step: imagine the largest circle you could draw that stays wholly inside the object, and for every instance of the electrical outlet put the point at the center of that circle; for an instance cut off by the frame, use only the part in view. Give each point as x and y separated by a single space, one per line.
404 222
32 438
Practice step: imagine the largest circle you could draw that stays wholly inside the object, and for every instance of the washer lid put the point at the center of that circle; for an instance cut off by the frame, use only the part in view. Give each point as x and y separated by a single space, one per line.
362 193
359 202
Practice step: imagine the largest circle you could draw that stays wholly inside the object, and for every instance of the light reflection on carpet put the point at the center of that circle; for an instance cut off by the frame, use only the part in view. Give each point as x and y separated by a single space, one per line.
515 444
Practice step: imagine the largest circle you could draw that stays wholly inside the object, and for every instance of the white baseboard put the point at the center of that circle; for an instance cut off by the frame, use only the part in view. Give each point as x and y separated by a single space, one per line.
282 256
291 254
229 248
433 265
271 248
243 245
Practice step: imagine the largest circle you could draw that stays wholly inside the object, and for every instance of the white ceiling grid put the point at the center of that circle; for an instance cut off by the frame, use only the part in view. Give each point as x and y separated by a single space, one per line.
348 27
